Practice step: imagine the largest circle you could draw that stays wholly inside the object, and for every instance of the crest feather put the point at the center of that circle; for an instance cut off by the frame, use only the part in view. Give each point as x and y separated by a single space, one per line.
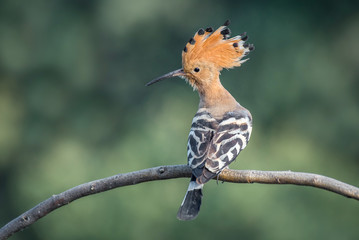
217 48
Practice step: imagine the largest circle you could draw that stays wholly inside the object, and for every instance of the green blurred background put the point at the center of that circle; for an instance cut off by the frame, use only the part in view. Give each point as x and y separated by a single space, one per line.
74 108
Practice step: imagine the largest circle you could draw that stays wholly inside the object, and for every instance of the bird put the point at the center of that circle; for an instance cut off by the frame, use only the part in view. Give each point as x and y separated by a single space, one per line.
222 127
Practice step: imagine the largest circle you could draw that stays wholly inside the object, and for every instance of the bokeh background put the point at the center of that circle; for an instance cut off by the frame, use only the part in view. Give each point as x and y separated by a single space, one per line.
74 108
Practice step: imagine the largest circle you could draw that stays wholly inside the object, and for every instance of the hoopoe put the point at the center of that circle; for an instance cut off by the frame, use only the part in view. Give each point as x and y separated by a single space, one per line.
221 128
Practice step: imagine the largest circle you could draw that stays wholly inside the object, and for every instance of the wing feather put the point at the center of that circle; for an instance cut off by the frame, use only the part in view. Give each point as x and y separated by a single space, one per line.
199 139
229 140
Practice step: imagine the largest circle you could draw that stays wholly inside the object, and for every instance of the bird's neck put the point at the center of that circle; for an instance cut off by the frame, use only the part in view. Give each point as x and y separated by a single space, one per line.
216 99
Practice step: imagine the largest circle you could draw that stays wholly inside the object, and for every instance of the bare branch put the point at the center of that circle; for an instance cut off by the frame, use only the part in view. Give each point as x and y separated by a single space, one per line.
168 172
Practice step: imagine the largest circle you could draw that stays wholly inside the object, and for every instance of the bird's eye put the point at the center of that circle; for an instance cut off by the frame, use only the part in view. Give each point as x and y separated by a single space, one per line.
196 69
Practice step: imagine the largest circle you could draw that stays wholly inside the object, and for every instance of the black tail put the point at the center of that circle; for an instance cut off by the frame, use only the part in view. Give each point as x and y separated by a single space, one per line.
192 201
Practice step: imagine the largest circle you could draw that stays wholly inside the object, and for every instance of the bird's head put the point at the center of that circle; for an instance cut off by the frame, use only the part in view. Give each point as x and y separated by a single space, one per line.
207 53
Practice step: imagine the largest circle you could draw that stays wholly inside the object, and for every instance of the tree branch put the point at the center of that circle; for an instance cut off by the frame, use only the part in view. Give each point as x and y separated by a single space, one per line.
168 172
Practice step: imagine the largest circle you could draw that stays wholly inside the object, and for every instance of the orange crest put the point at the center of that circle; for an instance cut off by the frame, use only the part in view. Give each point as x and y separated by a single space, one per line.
216 48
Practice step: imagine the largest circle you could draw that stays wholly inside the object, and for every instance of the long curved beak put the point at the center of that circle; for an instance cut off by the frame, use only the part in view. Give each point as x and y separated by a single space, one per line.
178 72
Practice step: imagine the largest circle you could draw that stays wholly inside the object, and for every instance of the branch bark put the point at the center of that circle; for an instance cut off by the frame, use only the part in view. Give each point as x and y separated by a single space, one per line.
169 172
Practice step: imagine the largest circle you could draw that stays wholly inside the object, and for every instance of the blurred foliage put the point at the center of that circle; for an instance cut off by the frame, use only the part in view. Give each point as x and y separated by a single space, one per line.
73 108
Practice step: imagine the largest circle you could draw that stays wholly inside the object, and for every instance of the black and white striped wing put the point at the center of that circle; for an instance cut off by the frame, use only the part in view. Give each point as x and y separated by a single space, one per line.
229 140
199 139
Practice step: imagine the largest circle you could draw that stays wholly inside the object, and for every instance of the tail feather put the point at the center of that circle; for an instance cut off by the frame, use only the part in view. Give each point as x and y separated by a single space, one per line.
205 176
192 202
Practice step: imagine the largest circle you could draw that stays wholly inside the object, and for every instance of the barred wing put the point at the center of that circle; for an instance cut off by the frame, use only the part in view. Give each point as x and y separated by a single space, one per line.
199 139
228 141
